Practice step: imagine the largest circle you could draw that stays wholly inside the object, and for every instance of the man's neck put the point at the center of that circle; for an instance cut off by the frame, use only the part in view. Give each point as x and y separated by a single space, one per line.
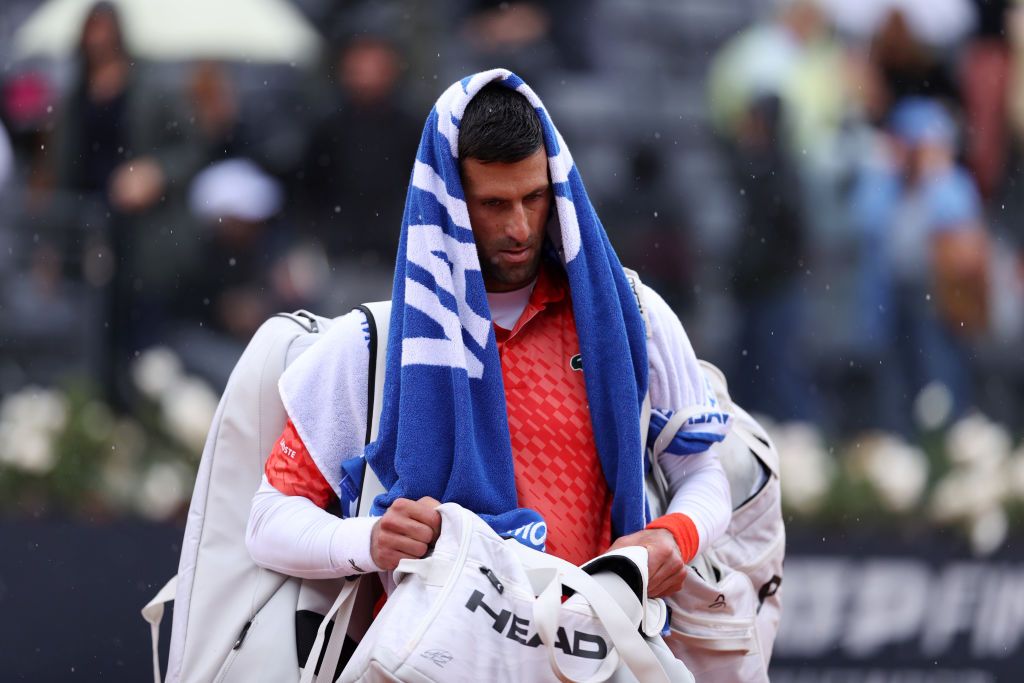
506 307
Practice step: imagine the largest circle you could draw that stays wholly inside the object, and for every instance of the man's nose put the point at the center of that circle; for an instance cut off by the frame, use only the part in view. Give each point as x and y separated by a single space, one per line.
518 228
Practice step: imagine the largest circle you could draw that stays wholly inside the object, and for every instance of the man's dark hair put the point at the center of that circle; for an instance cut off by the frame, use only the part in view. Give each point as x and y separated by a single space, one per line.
499 125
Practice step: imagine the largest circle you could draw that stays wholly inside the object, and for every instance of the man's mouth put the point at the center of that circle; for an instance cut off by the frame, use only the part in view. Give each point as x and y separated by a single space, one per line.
516 255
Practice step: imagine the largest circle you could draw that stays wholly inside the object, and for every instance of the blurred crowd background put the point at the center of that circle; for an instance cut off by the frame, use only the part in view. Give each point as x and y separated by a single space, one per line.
828 192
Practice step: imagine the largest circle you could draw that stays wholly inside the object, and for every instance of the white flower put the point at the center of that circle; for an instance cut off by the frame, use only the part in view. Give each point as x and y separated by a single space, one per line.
807 470
30 421
27 448
35 407
188 410
162 491
975 440
156 371
894 468
967 493
988 531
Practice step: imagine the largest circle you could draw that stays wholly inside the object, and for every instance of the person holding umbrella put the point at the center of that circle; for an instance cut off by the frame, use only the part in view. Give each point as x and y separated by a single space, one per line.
123 150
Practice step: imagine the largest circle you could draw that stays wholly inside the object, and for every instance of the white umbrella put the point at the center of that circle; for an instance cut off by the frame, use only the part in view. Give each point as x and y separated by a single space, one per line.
237 30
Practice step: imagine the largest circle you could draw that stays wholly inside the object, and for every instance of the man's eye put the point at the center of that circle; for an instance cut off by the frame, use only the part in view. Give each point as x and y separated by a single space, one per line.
492 202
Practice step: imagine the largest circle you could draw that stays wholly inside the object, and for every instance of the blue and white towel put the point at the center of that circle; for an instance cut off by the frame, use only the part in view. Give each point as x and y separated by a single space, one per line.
444 431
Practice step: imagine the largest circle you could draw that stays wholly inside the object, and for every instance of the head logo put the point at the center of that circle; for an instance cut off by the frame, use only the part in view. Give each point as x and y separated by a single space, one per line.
516 628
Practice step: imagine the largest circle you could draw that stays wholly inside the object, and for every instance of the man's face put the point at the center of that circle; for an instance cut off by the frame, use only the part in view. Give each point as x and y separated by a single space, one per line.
508 209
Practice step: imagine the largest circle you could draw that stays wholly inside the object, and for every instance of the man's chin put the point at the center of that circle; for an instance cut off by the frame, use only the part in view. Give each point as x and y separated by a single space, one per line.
510 278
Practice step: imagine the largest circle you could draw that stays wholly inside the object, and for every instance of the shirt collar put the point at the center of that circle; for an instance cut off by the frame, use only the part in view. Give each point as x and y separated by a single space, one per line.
552 287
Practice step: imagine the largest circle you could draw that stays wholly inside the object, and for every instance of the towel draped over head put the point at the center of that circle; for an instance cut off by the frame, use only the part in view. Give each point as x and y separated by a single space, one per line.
443 428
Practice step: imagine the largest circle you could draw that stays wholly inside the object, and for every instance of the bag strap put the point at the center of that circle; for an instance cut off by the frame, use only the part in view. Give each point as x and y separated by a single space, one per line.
153 612
341 613
628 644
378 320
378 324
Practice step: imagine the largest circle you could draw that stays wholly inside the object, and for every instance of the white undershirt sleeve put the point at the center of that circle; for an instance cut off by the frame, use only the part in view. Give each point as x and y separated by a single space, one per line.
697 483
700 489
291 535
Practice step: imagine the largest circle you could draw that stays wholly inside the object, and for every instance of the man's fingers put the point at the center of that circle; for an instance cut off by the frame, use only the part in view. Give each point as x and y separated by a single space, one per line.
388 558
403 545
423 512
666 581
407 526
667 576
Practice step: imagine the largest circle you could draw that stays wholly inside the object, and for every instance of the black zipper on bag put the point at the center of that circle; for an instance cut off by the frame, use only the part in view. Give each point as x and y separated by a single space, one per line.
493 578
241 636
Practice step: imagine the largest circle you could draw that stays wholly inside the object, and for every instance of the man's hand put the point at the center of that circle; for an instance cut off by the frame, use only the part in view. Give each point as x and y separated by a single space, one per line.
407 529
665 567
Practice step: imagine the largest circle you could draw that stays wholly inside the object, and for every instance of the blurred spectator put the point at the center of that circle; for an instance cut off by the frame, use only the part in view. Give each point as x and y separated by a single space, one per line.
985 74
214 103
513 35
908 65
251 266
357 167
772 375
777 103
925 263
122 151
1013 195
648 234
794 58
28 99
267 128
791 56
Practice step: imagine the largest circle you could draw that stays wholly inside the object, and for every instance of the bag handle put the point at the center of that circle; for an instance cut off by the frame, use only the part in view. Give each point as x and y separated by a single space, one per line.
153 612
629 645
341 613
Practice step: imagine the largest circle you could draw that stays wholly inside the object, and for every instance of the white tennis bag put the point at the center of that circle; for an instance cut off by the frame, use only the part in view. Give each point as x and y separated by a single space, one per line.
725 618
234 620
482 608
